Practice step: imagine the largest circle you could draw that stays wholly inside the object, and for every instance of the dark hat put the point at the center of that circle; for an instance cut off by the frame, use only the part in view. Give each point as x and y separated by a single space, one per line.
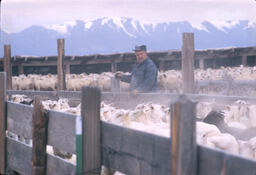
140 48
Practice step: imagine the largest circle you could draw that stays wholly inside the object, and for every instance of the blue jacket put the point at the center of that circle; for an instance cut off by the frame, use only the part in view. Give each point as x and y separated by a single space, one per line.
143 77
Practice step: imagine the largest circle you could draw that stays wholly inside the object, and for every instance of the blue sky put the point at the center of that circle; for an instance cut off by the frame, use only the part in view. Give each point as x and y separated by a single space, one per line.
17 15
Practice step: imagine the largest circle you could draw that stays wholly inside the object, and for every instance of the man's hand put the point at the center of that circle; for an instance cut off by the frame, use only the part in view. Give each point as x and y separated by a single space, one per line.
118 75
134 93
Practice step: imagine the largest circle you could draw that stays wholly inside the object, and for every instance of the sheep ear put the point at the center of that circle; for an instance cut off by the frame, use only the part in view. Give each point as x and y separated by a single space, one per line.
164 75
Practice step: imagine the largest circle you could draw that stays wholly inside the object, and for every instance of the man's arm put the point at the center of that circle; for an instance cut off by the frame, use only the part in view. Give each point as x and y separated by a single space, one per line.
149 81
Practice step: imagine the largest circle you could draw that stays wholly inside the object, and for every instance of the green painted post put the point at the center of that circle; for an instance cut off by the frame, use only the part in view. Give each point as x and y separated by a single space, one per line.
79 146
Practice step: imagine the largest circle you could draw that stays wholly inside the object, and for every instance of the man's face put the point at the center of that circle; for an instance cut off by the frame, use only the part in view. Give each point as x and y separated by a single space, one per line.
140 56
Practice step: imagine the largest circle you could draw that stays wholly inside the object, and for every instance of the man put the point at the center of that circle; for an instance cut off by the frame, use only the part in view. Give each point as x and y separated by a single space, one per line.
143 77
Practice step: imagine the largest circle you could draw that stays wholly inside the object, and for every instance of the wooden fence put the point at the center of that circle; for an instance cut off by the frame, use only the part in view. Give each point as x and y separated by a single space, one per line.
122 149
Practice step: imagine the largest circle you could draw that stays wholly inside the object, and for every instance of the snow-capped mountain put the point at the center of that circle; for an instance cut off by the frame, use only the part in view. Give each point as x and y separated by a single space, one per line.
110 35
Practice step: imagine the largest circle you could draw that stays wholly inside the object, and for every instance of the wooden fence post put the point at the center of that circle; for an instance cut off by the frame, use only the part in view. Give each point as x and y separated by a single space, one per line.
113 67
188 62
183 137
8 65
115 85
60 65
40 123
90 112
3 122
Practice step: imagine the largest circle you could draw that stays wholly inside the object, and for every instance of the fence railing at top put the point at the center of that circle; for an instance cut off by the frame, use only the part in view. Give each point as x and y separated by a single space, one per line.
125 100
123 149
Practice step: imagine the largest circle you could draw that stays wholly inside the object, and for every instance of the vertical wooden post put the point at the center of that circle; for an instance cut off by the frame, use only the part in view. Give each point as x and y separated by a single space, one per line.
8 65
39 138
21 69
188 62
67 69
90 112
115 85
183 137
3 121
244 60
201 63
113 67
60 65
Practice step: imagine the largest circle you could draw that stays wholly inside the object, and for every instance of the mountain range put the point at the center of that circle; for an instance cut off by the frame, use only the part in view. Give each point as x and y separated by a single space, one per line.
111 35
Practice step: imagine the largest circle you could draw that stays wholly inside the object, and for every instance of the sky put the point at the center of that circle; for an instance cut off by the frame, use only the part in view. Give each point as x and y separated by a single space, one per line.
17 15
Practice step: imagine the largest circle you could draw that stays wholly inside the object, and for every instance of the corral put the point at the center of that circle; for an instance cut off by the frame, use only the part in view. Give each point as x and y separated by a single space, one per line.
139 153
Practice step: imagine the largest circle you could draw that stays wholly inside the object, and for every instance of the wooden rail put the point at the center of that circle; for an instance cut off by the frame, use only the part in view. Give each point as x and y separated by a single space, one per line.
126 101
160 57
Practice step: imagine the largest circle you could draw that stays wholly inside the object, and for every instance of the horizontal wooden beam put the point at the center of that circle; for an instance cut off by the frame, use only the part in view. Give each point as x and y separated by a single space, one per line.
19 119
126 101
130 57
20 156
61 131
134 152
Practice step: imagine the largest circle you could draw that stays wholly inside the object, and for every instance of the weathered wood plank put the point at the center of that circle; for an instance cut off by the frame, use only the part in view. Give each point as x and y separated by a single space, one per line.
61 131
32 93
202 83
124 100
40 125
19 119
129 57
236 165
19 156
90 113
134 152
212 162
188 62
70 94
2 122
58 166
124 150
183 136
8 66
20 160
60 64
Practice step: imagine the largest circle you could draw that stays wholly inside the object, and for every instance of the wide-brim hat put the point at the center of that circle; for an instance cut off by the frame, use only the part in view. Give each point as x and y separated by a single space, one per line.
140 48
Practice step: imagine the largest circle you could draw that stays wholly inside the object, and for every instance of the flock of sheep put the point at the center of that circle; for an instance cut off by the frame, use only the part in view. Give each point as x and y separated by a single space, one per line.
155 119
168 81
